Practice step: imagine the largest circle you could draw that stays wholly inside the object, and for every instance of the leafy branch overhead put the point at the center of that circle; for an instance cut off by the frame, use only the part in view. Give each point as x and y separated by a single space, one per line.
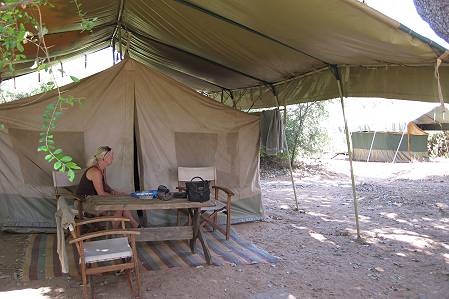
86 23
52 113
21 23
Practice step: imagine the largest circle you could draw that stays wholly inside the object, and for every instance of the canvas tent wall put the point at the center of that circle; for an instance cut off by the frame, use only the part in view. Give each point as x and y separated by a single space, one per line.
174 126
373 146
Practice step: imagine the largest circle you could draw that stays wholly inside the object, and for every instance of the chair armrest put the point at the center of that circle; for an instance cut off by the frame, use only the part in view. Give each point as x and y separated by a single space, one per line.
224 189
68 194
101 219
104 233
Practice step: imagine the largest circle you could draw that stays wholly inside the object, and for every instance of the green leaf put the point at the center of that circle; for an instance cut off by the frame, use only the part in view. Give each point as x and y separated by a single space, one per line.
19 47
57 165
66 159
48 157
72 165
42 148
70 175
42 66
2 126
58 151
74 79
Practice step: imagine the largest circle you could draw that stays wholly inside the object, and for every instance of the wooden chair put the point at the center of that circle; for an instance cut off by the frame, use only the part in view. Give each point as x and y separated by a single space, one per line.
117 249
210 215
64 187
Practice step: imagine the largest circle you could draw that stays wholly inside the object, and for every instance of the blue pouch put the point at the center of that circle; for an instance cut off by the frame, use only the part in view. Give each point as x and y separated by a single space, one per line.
149 194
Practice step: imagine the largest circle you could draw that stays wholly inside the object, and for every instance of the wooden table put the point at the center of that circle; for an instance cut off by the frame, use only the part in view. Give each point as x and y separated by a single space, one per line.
186 232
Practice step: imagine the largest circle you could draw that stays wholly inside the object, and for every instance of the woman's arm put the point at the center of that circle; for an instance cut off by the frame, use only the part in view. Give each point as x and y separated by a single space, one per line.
108 188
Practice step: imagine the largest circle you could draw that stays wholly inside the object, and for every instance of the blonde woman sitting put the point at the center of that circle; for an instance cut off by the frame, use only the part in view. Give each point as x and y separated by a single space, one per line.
93 181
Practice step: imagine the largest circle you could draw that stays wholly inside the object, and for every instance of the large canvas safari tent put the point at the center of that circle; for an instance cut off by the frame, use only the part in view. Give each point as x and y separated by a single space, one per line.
173 125
252 54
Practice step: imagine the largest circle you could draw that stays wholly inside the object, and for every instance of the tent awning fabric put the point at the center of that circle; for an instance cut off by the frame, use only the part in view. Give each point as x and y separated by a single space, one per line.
173 126
240 52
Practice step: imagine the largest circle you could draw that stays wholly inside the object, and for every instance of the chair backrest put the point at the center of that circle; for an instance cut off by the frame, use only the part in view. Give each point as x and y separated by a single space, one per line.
61 183
185 174
61 180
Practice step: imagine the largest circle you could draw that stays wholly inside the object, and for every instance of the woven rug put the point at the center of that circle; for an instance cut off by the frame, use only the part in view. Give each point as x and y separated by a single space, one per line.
41 260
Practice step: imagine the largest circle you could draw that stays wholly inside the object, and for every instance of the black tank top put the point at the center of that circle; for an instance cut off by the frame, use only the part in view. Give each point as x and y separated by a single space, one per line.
86 186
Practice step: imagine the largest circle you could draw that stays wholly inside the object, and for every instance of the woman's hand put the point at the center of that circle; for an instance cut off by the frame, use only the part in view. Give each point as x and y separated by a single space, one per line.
118 193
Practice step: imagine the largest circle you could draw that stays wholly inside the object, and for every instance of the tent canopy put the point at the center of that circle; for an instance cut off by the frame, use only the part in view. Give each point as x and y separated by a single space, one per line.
242 52
154 125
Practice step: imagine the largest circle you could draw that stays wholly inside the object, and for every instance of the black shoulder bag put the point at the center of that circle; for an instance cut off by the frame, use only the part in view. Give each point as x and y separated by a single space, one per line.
198 190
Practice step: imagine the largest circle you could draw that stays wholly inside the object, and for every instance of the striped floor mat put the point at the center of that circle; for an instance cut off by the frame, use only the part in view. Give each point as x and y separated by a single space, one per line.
41 260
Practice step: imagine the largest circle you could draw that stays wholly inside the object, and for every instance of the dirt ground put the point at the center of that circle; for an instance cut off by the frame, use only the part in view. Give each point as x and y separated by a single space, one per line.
404 224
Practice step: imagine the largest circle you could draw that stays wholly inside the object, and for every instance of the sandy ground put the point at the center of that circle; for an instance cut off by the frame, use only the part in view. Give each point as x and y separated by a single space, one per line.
404 224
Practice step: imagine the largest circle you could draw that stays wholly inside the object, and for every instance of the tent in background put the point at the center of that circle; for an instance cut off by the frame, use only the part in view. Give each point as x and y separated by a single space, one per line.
406 146
436 119
375 146
174 126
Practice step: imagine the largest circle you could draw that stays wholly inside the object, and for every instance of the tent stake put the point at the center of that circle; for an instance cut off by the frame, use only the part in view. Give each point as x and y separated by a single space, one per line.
354 195
288 153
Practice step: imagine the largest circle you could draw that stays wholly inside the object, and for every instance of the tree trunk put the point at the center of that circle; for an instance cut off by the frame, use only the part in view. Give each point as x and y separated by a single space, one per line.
436 14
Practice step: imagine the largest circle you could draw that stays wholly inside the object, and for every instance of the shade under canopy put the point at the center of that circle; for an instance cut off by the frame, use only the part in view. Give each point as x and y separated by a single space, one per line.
242 52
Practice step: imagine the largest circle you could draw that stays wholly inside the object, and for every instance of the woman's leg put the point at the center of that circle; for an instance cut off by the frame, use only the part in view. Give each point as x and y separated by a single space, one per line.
116 224
128 214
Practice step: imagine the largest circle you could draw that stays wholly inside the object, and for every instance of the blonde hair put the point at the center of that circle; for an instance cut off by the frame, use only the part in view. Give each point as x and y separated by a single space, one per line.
100 153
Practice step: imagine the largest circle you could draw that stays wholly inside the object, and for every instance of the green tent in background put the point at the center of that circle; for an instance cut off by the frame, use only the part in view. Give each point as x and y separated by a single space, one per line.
372 146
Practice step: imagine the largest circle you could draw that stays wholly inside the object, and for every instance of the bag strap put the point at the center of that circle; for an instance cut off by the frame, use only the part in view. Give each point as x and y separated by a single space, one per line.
197 177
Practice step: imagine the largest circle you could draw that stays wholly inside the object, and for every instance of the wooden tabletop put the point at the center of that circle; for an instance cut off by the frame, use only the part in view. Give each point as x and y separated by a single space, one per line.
115 203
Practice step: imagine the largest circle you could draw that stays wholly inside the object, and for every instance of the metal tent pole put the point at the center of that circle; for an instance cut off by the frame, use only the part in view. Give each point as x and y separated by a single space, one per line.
288 155
371 147
348 143
399 145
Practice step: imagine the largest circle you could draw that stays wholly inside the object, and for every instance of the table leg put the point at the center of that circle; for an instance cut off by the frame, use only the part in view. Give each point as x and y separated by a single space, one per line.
195 225
205 247
145 219
197 234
